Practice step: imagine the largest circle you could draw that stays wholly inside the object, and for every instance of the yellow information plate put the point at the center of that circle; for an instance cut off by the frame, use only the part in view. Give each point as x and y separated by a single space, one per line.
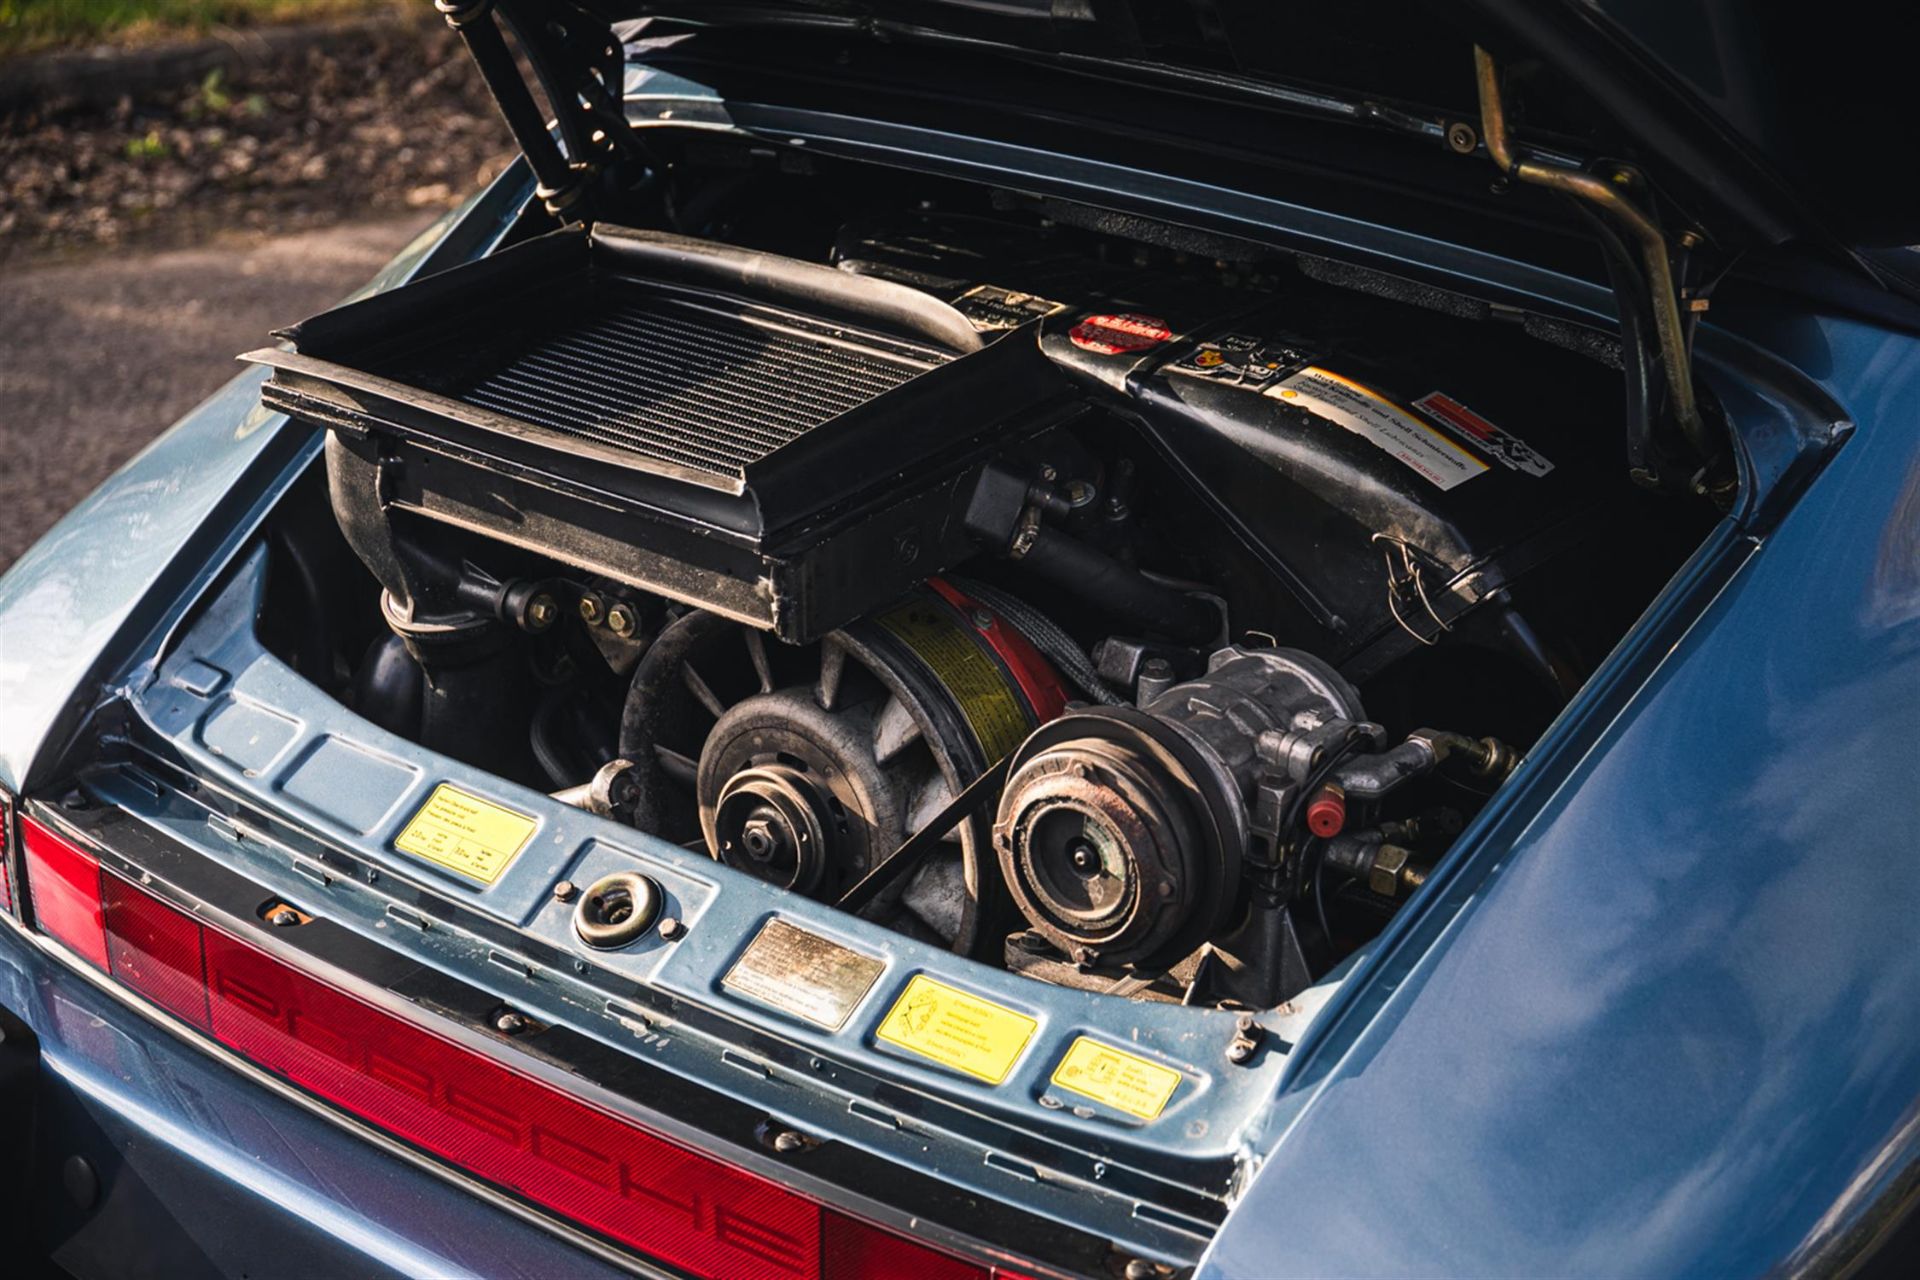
464 833
1124 1081
957 1029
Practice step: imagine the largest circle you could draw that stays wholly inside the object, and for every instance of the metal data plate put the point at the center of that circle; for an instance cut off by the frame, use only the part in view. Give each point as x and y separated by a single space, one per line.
803 974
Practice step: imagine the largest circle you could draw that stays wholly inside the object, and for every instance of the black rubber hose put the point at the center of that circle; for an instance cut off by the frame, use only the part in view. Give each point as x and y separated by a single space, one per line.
1105 583
657 672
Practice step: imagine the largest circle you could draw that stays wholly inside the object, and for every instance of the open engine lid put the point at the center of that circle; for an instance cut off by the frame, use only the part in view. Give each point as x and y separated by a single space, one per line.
1749 120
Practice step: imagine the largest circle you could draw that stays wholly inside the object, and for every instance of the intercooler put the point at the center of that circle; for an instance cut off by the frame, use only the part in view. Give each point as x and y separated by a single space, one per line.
684 384
771 439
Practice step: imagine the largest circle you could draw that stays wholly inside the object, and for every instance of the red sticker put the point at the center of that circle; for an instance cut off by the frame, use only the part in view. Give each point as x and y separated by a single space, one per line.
1119 335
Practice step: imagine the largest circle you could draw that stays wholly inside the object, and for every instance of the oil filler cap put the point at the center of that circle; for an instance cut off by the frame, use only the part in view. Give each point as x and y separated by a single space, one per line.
617 909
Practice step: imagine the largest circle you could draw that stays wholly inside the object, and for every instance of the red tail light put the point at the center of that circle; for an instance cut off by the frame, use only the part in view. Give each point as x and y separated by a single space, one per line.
6 849
64 883
156 951
667 1201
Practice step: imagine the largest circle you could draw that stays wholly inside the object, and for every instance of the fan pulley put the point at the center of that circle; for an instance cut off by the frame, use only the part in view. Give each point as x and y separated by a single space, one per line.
821 760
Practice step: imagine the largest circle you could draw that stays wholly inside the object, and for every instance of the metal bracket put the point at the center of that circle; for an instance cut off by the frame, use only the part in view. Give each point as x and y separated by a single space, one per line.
1247 1035
579 65
1610 198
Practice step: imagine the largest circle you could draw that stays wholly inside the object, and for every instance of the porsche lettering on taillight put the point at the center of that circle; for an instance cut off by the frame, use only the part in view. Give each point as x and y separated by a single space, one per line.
390 1069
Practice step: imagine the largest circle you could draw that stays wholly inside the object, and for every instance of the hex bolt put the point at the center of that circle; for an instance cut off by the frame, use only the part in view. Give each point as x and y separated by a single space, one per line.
1246 1040
670 928
541 611
565 891
592 609
786 1142
620 621
283 916
509 1023
760 838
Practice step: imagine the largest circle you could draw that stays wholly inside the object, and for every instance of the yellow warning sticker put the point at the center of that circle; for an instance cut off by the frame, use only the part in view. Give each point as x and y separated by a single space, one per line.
1124 1081
464 833
983 690
1367 413
957 1029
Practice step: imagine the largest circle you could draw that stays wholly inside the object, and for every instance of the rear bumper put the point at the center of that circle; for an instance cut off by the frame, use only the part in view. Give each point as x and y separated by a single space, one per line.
203 1171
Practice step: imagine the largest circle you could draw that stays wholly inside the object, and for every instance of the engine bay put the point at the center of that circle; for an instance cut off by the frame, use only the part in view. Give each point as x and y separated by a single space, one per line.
1129 608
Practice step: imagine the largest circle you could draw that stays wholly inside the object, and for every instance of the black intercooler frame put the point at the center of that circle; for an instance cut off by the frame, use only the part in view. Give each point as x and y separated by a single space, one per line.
782 443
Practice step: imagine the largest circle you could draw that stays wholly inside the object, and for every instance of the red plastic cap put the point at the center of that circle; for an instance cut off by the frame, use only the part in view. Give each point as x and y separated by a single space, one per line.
1327 812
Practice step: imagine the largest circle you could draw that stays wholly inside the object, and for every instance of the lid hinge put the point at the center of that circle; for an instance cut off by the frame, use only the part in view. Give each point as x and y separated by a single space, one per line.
1609 198
580 67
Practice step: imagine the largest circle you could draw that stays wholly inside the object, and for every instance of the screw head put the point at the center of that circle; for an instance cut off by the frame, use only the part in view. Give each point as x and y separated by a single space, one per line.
1461 137
541 612
591 609
620 620
509 1023
566 891
786 1142
283 917
669 928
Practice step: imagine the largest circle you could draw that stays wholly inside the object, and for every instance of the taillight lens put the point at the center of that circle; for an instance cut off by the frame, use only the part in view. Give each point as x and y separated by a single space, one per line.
577 1160
6 852
850 1247
662 1199
156 950
64 883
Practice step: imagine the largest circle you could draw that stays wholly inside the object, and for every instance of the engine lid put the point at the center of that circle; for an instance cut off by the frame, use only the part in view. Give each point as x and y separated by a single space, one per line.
1745 118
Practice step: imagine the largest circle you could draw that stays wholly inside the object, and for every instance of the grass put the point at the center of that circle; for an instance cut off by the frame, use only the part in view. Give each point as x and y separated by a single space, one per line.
28 26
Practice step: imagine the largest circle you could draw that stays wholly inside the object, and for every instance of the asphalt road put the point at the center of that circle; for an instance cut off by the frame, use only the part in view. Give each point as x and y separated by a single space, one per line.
98 356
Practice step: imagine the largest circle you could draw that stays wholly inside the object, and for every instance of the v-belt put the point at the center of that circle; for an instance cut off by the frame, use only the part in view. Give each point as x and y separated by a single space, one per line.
901 861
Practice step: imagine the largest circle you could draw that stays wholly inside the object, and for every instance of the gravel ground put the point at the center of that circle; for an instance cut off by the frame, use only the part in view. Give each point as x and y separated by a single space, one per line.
145 242
379 121
97 356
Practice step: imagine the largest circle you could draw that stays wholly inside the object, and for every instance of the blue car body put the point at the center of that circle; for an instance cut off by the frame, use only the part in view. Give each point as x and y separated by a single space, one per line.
1657 1013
